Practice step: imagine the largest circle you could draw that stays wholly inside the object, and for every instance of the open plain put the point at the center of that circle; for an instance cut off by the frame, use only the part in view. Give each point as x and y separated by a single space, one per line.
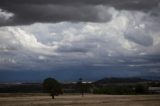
78 100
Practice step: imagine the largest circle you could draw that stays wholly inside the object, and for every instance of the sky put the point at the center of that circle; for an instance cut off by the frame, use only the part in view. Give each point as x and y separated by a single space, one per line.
69 39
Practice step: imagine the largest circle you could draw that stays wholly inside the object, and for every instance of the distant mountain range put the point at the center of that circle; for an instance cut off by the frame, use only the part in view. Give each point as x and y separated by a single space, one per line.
125 80
151 78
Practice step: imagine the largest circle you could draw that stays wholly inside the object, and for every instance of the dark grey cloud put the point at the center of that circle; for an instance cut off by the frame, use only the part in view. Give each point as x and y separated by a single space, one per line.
143 5
129 4
72 49
28 14
140 39
47 11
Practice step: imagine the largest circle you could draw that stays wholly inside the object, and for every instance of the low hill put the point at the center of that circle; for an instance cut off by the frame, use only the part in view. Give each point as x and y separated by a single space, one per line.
120 80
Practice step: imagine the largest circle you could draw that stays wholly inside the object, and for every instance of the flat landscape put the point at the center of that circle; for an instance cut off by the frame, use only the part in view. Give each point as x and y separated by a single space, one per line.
78 100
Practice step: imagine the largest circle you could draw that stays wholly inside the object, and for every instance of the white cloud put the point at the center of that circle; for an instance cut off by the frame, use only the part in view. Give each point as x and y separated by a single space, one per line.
7 60
5 16
128 33
30 42
125 34
41 57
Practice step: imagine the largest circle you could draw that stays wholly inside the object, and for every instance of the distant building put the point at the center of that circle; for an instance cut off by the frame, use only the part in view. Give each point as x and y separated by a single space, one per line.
154 90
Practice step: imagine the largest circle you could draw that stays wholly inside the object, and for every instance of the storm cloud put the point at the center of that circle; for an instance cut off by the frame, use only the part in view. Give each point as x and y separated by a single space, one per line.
32 11
83 38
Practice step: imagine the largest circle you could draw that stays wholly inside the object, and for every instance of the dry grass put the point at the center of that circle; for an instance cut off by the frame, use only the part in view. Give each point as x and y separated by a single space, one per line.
77 100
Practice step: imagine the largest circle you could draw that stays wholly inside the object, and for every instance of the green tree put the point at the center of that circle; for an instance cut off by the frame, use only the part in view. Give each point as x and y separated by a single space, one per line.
52 86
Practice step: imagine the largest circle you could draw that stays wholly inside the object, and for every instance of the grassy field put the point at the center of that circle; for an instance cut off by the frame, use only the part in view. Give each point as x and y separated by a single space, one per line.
77 100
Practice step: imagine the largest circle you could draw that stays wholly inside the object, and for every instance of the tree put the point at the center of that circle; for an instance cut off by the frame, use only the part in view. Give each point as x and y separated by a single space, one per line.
140 89
52 86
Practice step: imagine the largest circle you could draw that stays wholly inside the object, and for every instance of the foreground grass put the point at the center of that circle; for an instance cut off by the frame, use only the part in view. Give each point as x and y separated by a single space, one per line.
77 100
